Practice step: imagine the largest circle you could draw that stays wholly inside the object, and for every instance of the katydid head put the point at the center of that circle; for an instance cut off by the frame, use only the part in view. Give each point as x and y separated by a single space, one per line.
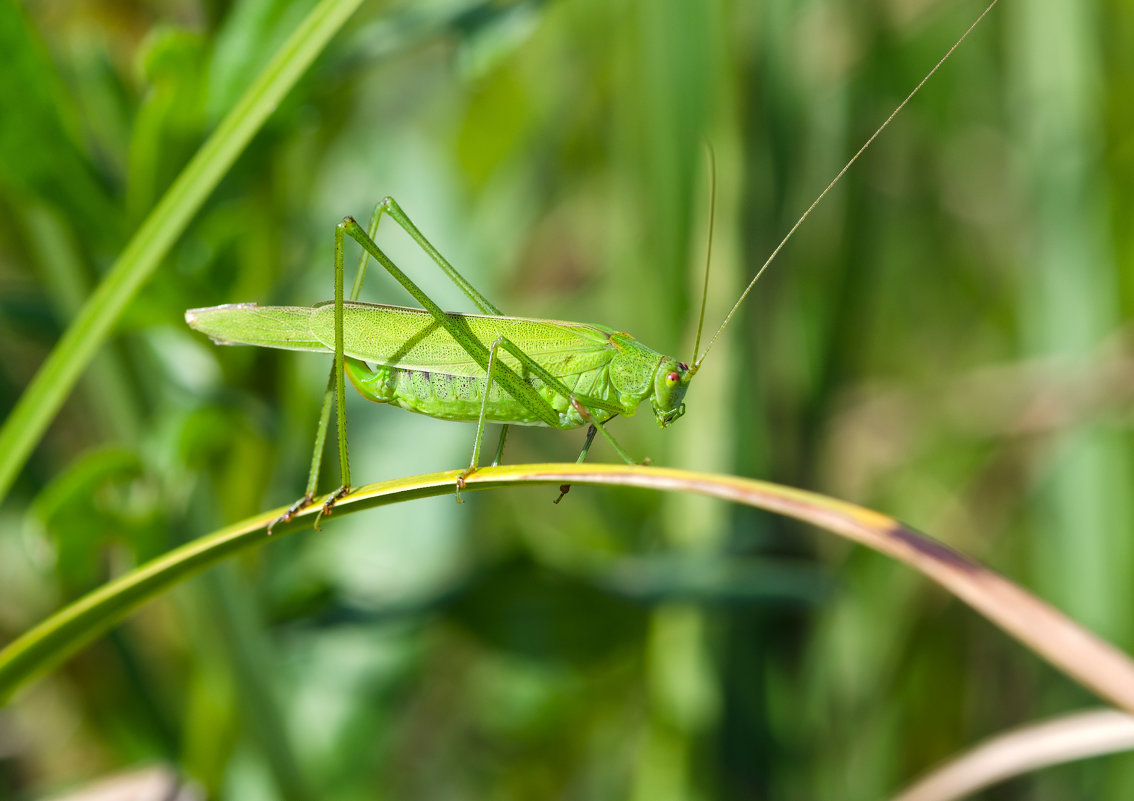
670 382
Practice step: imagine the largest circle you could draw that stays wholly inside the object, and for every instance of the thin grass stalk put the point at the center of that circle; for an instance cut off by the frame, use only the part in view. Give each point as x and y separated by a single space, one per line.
1089 660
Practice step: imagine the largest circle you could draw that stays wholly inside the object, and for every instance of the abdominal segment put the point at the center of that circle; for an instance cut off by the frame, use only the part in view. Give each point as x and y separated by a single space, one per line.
456 397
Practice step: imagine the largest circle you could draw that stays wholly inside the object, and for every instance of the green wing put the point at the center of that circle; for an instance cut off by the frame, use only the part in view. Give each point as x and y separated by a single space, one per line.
285 327
406 338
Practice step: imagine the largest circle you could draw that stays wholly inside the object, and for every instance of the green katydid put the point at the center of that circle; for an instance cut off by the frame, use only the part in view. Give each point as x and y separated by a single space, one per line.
481 368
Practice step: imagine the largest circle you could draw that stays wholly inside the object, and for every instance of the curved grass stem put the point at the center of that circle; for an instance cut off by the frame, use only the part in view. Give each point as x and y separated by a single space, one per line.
1084 657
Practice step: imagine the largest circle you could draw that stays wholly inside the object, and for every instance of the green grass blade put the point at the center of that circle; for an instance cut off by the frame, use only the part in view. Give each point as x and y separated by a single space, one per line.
1081 655
51 385
39 142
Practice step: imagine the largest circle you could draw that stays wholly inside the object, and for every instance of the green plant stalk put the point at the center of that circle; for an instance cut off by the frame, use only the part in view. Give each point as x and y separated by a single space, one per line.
55 379
1084 657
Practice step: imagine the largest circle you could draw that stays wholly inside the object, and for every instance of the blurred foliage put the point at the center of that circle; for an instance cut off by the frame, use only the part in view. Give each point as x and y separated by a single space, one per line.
944 341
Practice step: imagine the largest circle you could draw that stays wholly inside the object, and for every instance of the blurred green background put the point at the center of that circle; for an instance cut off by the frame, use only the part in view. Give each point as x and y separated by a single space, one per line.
945 341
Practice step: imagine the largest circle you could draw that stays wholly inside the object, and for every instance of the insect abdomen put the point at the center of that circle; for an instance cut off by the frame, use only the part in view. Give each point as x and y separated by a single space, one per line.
453 397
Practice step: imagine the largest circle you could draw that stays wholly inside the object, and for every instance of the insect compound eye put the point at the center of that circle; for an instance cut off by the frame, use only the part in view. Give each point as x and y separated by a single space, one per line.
672 378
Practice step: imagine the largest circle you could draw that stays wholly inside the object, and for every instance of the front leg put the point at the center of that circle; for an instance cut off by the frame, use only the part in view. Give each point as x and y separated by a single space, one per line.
583 404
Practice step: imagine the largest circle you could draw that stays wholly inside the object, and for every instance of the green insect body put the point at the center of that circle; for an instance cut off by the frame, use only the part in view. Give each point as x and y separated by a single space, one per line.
419 367
485 367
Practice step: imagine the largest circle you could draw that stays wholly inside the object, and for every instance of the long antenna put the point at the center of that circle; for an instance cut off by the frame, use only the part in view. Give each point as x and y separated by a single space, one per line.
708 246
835 180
